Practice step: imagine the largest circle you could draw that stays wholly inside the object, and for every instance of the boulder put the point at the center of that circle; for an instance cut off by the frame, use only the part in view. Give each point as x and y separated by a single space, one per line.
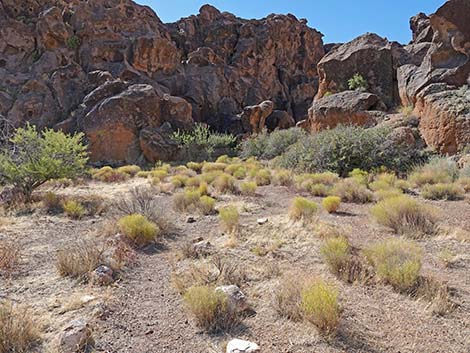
254 117
240 346
53 32
444 117
75 337
235 297
369 55
420 26
347 108
279 119
102 276
157 145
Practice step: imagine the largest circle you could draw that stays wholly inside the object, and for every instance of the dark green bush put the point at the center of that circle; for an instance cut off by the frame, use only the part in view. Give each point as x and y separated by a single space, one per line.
345 148
358 83
268 146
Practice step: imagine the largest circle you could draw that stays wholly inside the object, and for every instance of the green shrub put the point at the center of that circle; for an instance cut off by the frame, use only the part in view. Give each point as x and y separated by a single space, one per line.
229 218
302 209
138 229
336 252
187 200
212 167
437 170
345 148
179 180
405 216
263 177
282 177
268 146
210 308
349 190
450 192
358 83
248 187
130 170
206 205
396 261
73 209
387 193
319 189
35 157
73 42
331 203
319 304
361 176
194 166
224 183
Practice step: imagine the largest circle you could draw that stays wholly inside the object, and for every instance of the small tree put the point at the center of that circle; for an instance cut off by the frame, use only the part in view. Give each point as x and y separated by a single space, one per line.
358 83
33 157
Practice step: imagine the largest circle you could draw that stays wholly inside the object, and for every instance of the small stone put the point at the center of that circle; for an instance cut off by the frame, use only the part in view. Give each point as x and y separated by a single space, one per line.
75 336
190 219
235 297
202 248
240 346
102 275
262 221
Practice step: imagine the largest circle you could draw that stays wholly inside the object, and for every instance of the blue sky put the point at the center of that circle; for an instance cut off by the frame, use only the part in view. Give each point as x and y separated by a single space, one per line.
338 20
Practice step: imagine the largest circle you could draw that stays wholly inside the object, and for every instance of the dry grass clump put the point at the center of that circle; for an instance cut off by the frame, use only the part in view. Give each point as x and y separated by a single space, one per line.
10 255
336 253
351 191
210 308
396 262
212 167
183 170
405 216
108 175
331 203
19 331
449 192
387 193
138 229
229 218
247 187
283 177
300 296
464 182
383 181
52 202
193 200
436 292
197 167
224 183
79 258
179 180
302 209
438 170
130 170
319 190
206 205
263 177
73 209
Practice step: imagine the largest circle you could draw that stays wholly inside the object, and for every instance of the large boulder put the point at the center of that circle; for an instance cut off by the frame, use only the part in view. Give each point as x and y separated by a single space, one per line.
444 117
345 108
421 28
369 55
254 117
279 119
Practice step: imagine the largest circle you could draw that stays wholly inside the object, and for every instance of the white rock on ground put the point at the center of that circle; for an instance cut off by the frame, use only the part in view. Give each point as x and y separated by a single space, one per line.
236 299
240 346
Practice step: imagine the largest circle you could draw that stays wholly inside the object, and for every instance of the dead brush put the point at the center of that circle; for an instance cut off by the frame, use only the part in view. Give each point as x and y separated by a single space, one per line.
437 293
10 255
79 258
18 328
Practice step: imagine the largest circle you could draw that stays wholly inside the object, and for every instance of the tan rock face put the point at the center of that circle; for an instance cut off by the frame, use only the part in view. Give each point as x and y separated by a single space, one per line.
254 117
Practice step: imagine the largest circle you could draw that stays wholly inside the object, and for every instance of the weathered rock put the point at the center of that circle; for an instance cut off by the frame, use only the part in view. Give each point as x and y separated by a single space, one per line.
157 145
235 297
254 117
102 276
52 31
444 117
241 346
375 58
279 119
420 25
75 337
346 108
203 248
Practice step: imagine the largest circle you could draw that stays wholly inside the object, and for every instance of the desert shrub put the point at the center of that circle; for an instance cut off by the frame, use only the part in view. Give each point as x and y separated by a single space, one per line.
383 181
52 202
209 177
159 174
179 180
224 183
406 110
223 159
269 145
405 216
206 205
464 182
359 175
144 174
345 148
437 170
287 297
201 143
130 170
229 218
302 209
319 189
193 182
210 308
263 177
240 173
109 175
450 192
203 188
336 252
349 190
282 177
213 166
248 187
319 304
10 255
395 261
138 229
73 209
387 193
34 158
18 329
331 203
186 201
79 258
358 83
73 42
232 168
183 170
197 167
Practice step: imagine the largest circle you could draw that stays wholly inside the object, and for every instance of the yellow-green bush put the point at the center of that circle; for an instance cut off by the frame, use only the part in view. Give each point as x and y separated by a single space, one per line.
262 177
359 175
229 218
52 202
395 261
450 192
211 167
206 205
186 200
223 159
387 193
282 177
351 191
464 182
302 209
73 209
224 183
248 187
108 175
240 173
130 170
159 174
138 229
144 174
179 180
197 167
331 203
319 189
438 170
319 305
209 177
336 253
203 188
193 182
405 216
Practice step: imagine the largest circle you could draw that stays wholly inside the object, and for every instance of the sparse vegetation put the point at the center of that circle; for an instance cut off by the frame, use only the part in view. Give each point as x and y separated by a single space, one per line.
349 190
138 229
108 175
449 192
358 83
229 218
79 258
73 209
303 209
331 203
248 187
10 255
